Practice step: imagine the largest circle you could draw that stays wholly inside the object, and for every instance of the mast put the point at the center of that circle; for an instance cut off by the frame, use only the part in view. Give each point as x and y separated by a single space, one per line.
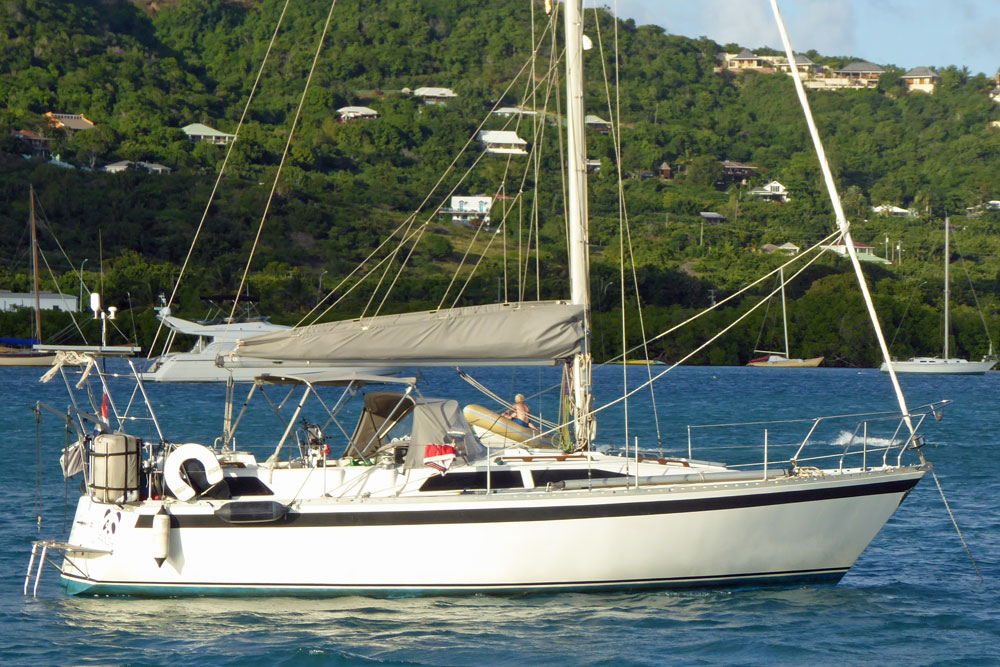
579 259
784 311
947 281
34 264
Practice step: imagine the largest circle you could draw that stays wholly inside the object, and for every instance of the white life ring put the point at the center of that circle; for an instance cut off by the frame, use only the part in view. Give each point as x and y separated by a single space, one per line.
172 469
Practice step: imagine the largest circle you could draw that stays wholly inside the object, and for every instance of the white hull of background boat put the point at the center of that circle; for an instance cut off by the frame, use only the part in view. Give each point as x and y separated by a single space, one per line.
784 530
937 366
197 367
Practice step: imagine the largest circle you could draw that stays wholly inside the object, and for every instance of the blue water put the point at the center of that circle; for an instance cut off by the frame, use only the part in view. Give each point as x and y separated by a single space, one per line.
913 597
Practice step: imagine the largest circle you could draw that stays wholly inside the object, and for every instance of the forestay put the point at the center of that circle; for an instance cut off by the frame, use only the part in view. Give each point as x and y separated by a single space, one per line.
534 332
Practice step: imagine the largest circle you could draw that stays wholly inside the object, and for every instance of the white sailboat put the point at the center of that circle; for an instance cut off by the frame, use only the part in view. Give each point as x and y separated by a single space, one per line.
945 365
215 340
414 503
772 359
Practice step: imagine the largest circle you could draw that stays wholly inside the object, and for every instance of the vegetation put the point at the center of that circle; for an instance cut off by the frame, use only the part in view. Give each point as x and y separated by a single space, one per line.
142 70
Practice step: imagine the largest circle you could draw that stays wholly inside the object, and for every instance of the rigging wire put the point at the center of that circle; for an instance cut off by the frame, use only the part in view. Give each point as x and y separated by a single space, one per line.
284 156
222 169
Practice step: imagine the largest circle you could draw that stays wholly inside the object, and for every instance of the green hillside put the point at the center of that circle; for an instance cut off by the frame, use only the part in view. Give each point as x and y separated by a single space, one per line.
141 71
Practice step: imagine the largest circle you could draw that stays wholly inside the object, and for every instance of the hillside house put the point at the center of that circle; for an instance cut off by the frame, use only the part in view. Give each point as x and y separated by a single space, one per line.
995 93
348 114
35 144
665 171
432 95
773 191
788 248
71 122
803 64
503 142
470 210
197 132
507 112
745 59
593 165
125 165
861 73
712 218
921 79
596 123
736 172
890 211
866 253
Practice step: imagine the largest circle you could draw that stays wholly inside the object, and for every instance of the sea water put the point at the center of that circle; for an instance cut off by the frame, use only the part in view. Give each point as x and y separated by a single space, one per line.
913 597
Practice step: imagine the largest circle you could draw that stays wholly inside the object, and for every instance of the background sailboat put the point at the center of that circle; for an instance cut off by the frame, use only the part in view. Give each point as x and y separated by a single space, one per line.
946 365
779 359
18 352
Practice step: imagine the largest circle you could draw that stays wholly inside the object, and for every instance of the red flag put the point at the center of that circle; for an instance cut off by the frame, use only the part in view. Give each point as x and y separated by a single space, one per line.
104 408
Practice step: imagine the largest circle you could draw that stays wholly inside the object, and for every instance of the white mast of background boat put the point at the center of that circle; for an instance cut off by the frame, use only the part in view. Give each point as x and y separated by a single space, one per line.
579 264
947 365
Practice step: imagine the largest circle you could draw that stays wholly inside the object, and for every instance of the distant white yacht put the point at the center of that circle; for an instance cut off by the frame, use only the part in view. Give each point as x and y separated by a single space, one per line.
947 365
214 339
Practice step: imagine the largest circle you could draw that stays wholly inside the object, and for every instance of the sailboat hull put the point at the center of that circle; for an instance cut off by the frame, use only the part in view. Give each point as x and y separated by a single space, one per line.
937 366
26 358
781 362
780 531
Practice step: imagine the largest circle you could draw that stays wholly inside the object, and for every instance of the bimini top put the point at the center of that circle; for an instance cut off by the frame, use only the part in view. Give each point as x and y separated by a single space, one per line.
524 333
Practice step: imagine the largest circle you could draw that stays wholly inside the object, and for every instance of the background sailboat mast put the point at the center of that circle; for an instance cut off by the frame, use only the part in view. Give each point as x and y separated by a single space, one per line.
784 311
579 256
34 264
947 284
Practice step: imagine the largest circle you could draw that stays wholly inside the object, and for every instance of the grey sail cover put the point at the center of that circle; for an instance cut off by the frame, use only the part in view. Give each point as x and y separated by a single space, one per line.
531 332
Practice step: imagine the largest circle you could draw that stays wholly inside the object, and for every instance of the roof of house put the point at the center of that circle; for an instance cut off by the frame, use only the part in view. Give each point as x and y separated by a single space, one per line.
514 111
746 54
501 137
921 73
799 60
594 120
788 245
711 215
842 242
861 67
357 111
28 134
73 121
729 164
434 92
199 130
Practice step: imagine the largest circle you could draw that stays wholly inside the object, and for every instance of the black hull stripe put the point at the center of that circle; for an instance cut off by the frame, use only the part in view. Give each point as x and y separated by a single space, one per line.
91 586
550 513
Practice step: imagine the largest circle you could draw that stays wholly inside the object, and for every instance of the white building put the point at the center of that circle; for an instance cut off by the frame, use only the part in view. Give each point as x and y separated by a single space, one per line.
471 210
48 301
125 165
432 95
773 191
890 211
503 142
356 113
197 132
